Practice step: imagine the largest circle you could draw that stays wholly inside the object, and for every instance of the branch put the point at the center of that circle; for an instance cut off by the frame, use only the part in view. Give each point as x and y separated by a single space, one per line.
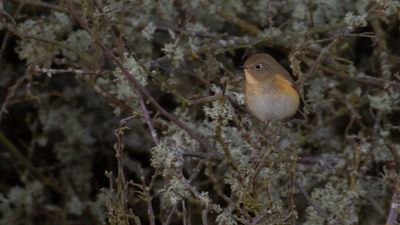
204 216
321 57
146 113
204 99
171 213
202 155
394 206
37 3
239 22
149 198
382 48
142 91
68 70
368 80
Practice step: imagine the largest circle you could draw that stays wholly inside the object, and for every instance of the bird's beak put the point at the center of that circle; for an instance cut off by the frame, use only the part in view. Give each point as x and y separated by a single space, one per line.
242 67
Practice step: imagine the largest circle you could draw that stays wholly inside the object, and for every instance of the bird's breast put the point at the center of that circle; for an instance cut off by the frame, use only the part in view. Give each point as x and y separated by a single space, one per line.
272 101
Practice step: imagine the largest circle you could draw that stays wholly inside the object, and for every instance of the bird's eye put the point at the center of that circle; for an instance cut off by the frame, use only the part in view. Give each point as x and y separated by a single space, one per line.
258 66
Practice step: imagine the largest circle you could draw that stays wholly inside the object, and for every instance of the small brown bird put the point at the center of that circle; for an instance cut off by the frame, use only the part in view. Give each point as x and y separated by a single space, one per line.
269 90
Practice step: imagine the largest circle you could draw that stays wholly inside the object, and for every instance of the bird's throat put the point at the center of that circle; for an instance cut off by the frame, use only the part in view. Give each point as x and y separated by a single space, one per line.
250 79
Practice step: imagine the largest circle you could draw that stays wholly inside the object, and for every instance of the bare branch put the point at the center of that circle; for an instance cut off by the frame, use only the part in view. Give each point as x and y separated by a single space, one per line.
146 112
394 207
204 217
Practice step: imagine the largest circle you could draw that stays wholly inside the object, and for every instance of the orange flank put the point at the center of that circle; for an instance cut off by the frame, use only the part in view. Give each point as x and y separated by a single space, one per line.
284 85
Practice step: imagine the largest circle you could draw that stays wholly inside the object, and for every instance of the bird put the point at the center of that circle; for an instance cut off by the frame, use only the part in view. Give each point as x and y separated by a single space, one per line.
270 92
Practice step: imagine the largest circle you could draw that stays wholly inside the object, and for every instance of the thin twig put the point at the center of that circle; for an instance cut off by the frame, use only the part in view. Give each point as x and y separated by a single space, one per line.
150 211
193 175
7 35
368 80
376 206
204 99
392 218
181 31
68 70
184 213
146 113
393 214
42 4
11 93
320 58
170 215
122 188
204 216
6 16
382 48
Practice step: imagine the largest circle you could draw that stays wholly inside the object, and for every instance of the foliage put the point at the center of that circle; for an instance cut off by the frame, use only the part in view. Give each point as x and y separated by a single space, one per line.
148 91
